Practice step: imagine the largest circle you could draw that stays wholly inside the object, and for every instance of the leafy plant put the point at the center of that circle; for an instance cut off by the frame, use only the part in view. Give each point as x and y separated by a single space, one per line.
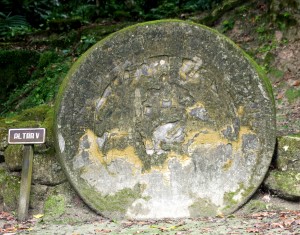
227 25
292 94
41 88
86 41
11 26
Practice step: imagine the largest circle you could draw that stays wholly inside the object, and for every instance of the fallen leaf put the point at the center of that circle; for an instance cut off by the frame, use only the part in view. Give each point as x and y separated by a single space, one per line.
252 230
280 96
38 216
296 83
277 225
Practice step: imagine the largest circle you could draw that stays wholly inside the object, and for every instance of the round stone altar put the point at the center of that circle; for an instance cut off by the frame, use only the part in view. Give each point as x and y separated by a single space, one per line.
165 119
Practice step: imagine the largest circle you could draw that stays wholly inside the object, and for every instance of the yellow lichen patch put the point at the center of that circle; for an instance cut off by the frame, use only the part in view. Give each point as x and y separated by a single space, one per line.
183 159
213 138
149 72
227 164
241 111
244 130
197 105
206 137
182 75
128 154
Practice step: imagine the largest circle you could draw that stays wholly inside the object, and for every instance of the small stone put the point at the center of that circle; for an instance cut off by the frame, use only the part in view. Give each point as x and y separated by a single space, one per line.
284 184
13 156
288 154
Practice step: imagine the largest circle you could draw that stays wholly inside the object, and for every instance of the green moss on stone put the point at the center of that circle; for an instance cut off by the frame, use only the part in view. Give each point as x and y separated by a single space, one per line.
119 201
55 206
233 199
285 184
288 153
37 113
9 190
203 207
255 206
113 204
13 156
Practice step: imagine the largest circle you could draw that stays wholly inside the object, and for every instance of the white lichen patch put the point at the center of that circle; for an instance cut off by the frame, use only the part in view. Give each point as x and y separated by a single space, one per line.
61 142
189 69
238 196
102 100
168 133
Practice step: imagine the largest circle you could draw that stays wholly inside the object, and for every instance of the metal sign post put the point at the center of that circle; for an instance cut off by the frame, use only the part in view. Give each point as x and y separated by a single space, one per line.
28 137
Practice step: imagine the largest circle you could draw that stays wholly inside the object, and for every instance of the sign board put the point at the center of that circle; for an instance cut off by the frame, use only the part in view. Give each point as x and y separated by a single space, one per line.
27 136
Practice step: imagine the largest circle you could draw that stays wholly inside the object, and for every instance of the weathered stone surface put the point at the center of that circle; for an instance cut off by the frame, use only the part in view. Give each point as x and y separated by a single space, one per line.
38 195
9 189
285 184
165 119
13 156
47 170
288 153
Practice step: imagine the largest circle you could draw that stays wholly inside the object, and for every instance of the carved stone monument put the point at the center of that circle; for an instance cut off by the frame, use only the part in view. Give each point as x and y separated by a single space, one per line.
165 119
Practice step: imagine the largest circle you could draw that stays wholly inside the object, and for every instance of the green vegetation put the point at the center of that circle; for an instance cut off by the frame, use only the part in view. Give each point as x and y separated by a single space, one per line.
227 25
292 94
55 206
21 16
10 189
58 32
36 88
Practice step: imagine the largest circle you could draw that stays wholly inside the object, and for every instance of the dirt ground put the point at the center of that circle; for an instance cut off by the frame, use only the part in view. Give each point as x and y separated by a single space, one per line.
264 214
259 223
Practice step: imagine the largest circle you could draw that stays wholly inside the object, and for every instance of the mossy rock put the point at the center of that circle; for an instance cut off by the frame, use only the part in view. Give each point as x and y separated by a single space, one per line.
255 205
37 113
258 205
13 156
54 207
285 184
38 195
39 116
288 153
47 170
9 190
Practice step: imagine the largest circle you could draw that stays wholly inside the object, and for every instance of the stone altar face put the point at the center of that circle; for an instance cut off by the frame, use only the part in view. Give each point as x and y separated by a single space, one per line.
165 119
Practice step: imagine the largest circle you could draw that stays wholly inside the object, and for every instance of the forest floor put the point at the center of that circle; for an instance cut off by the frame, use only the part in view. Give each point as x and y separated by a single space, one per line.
267 222
264 214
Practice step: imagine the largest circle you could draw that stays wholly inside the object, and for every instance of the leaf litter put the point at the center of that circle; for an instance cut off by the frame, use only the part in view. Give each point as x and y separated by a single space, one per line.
264 222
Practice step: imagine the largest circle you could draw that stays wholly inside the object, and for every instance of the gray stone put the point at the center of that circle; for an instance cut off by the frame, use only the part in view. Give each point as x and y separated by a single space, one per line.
165 119
288 153
47 170
285 184
38 195
13 156
9 189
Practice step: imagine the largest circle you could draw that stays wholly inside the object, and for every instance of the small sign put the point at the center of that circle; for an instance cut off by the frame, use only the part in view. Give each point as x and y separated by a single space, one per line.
27 136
